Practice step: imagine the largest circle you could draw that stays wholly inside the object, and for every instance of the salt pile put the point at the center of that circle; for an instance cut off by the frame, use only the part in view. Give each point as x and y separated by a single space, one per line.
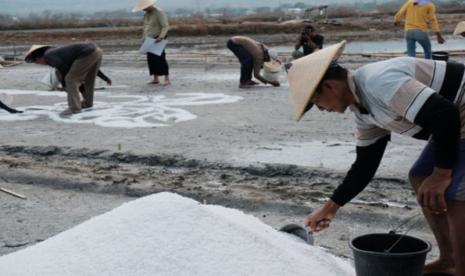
166 234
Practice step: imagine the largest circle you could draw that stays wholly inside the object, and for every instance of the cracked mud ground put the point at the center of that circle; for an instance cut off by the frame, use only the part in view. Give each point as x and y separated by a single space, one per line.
72 172
66 186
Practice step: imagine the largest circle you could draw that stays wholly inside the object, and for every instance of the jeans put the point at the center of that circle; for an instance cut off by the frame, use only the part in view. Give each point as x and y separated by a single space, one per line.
414 36
245 58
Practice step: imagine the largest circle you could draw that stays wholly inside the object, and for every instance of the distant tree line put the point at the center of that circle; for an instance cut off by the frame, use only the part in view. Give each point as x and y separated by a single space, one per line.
121 18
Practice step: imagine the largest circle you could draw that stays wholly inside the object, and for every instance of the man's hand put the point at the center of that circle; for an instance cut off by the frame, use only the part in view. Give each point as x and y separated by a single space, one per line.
431 192
158 39
321 218
441 39
275 83
15 111
109 83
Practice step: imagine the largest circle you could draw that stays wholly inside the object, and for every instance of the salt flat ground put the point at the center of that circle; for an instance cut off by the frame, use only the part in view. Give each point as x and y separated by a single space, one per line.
201 137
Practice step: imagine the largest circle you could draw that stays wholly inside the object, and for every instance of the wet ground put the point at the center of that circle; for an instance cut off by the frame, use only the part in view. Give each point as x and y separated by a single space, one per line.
245 153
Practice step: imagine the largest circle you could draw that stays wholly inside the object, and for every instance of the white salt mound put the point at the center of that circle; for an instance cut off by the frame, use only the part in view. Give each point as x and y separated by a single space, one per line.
166 234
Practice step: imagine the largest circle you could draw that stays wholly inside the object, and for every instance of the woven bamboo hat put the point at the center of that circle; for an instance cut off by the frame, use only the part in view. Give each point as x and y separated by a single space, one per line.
306 73
460 29
143 4
32 50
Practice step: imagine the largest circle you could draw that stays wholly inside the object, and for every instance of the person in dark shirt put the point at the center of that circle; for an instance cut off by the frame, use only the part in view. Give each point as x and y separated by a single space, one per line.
309 40
78 65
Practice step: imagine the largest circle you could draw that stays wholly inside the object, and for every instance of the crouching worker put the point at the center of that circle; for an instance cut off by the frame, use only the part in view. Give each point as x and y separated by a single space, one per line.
420 98
252 55
78 65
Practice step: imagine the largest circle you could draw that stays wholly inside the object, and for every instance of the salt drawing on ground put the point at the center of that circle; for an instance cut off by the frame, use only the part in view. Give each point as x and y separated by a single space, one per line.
166 234
122 111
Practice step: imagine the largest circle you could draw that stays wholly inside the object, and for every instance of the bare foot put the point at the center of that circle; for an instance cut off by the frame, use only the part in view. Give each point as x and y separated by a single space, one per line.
153 82
166 83
252 82
245 86
440 266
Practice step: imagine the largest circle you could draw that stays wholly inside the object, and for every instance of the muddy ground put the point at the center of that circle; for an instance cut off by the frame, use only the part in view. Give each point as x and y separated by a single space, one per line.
71 172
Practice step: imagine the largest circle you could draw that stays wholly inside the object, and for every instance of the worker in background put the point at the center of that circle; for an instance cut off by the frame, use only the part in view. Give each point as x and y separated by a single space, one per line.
309 40
252 56
418 15
155 26
78 64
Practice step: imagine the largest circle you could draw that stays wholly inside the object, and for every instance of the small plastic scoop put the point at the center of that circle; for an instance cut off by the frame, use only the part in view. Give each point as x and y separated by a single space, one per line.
299 232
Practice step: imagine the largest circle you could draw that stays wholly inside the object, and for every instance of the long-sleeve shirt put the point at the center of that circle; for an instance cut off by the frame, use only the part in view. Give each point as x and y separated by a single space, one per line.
62 58
256 50
155 23
418 16
419 98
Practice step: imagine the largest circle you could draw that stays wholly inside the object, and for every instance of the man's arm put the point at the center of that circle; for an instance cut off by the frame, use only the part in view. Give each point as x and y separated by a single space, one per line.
319 40
362 171
163 20
442 119
298 43
9 109
256 72
401 13
104 77
358 177
433 20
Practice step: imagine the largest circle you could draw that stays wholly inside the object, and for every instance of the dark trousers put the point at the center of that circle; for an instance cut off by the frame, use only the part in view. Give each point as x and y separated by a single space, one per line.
245 58
157 64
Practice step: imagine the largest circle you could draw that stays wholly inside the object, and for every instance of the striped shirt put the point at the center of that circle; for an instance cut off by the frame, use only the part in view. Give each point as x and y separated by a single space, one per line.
391 93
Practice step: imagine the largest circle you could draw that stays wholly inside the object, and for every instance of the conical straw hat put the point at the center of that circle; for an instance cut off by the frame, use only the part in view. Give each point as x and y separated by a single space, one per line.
32 50
143 4
460 29
305 74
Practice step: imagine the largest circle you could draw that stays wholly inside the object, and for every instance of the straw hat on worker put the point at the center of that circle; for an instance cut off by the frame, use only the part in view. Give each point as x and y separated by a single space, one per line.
143 4
460 29
306 73
31 55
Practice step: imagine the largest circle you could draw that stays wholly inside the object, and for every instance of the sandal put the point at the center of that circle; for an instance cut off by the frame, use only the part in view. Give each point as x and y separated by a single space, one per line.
68 112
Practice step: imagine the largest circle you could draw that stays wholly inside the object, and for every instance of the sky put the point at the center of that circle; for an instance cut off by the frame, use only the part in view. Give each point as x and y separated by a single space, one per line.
28 6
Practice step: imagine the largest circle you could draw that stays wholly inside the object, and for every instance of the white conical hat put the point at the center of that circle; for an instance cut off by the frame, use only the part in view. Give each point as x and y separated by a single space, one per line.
33 49
460 29
143 4
305 74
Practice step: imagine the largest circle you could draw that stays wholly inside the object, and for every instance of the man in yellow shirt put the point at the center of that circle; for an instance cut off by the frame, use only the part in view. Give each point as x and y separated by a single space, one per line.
418 15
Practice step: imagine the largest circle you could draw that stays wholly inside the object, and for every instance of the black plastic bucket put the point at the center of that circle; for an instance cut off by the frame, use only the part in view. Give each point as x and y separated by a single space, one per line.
407 257
440 55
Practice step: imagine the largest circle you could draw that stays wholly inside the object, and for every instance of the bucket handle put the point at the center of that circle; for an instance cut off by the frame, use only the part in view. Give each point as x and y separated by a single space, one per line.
415 216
